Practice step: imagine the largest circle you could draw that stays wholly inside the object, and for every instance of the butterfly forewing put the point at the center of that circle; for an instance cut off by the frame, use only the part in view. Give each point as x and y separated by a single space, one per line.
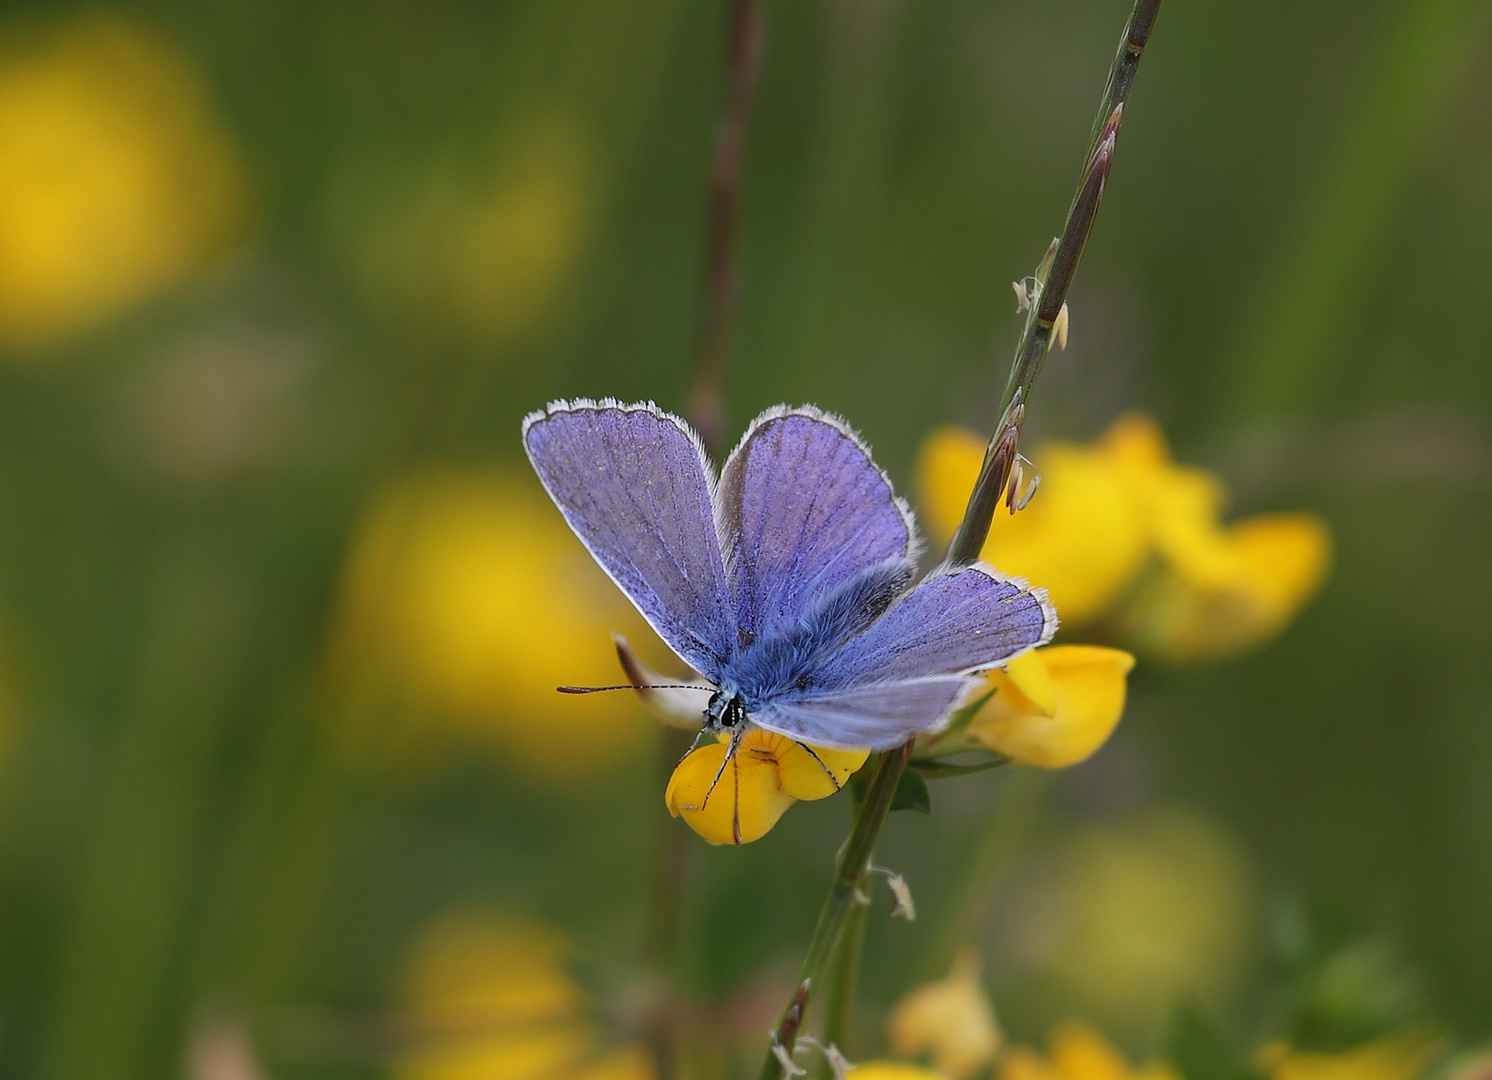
803 509
633 483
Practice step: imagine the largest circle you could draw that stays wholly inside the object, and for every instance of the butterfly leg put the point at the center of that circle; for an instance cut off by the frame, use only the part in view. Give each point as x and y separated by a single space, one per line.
735 811
827 771
730 758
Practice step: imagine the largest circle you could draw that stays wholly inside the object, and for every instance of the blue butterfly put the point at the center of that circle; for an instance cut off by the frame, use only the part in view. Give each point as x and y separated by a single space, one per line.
787 582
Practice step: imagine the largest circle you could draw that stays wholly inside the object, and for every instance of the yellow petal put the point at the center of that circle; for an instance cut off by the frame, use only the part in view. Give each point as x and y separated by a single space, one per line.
1401 1056
1266 569
807 776
1023 1063
894 1070
1076 1051
1088 685
747 798
474 970
117 181
518 1055
1081 538
947 467
1031 677
1079 1052
623 1063
951 1020
472 598
1136 441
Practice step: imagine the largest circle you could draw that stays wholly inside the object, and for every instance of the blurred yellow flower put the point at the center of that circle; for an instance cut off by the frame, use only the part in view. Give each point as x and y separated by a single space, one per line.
471 595
767 774
951 1020
490 998
1125 916
1055 706
894 1070
1121 531
116 178
485 247
1076 1051
1400 1056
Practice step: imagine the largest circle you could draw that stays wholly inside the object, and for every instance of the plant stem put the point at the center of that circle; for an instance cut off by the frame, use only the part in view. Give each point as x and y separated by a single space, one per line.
839 994
849 873
1060 265
707 404
1057 273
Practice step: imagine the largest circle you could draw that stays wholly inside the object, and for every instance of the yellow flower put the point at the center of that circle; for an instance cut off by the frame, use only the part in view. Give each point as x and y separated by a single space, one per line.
894 1070
488 997
1076 1051
471 595
767 774
1082 538
1238 591
951 1020
1107 512
1053 707
116 179
1128 915
1221 589
1401 1056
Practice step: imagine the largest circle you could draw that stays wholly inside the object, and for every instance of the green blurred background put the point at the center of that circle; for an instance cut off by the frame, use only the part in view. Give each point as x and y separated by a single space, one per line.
292 260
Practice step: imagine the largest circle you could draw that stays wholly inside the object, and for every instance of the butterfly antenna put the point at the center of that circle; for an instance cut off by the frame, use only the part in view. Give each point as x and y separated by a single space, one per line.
632 686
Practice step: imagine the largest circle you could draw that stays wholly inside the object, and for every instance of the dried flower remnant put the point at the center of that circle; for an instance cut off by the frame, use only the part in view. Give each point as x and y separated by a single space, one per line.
1055 706
117 180
739 800
951 1020
1121 532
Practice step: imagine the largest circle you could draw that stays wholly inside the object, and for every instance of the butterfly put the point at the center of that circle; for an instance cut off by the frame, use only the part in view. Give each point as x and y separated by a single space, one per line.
786 583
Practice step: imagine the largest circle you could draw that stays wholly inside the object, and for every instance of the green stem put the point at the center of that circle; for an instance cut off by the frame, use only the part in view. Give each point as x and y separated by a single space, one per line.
1056 275
1058 269
839 993
849 873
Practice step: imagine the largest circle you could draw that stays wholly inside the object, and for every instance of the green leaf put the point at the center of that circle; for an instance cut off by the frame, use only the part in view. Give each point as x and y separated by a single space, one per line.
941 770
962 718
911 793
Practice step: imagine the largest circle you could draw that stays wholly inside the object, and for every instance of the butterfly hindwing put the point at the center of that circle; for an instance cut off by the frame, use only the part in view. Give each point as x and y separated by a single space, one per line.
954 622
803 509
634 484
876 716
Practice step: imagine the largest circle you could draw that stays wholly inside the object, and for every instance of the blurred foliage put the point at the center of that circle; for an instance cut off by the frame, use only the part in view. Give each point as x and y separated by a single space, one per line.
280 607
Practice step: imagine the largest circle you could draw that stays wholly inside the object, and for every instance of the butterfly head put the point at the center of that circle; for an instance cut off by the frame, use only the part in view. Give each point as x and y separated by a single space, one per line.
725 712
